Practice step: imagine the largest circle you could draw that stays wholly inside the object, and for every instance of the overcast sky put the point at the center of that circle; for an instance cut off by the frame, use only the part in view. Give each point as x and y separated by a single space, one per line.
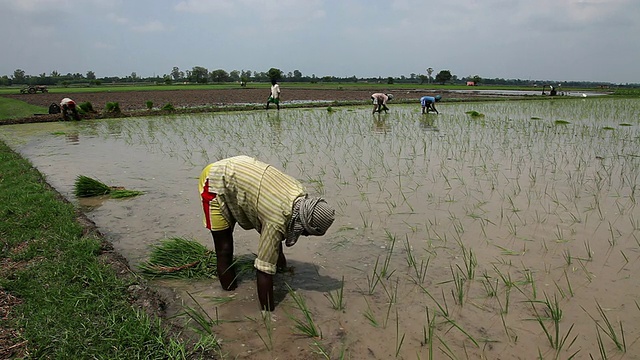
592 40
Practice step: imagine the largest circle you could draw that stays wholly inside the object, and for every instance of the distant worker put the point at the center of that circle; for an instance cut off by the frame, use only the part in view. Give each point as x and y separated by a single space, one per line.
429 103
380 102
258 196
69 107
274 97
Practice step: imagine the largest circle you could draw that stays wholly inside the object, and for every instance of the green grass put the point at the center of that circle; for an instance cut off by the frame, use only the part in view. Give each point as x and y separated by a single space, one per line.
73 305
10 108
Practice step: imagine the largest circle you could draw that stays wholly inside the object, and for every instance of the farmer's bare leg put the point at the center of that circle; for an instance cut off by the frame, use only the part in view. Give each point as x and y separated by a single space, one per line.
223 242
265 290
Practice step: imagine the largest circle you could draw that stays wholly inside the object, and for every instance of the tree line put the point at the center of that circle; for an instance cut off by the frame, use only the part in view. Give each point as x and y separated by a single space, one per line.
201 75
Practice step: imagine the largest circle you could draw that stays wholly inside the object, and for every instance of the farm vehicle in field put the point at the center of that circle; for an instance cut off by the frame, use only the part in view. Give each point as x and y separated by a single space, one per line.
32 89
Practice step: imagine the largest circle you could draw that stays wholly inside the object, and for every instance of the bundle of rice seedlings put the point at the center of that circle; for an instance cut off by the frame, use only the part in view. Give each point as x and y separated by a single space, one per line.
474 113
180 258
87 187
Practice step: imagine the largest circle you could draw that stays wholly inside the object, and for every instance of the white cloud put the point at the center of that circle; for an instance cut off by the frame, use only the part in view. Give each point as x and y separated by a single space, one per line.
151 26
117 18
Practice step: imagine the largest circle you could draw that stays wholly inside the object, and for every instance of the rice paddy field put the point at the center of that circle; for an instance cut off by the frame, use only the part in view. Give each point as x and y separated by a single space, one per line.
494 230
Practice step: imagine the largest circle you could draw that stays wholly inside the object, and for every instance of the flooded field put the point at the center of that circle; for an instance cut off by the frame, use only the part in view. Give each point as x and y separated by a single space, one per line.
494 230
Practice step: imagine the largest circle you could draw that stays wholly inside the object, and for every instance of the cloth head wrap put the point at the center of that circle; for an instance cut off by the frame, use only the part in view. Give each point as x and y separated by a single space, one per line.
312 215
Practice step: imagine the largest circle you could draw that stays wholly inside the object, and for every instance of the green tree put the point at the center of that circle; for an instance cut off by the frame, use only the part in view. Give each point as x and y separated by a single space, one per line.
443 76
476 79
390 80
234 75
274 74
19 77
199 75
297 75
176 74
219 75
91 75
423 78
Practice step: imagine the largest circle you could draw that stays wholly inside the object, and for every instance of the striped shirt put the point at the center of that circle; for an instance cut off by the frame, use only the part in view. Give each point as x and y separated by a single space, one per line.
256 196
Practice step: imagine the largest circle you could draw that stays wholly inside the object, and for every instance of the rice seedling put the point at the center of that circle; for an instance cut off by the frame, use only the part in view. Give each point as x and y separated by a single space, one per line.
617 338
458 292
553 311
399 339
374 279
369 315
87 187
306 326
319 349
337 298
204 322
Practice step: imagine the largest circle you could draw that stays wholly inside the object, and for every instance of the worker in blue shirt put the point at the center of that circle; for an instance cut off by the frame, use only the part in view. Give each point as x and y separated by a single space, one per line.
428 103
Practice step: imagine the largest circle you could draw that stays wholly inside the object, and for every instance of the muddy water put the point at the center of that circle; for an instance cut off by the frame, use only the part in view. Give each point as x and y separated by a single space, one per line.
453 233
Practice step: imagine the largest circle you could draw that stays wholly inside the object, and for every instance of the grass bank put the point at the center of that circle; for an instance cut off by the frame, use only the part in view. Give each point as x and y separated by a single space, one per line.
63 293
10 109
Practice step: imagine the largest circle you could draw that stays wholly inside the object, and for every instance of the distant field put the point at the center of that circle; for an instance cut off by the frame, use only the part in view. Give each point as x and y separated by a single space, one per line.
306 85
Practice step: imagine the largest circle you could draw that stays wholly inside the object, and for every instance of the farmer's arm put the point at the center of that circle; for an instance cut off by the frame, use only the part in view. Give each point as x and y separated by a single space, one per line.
269 250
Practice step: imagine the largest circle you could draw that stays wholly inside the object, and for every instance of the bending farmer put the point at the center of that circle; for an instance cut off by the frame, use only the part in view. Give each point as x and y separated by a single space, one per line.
380 102
429 103
68 106
257 196
274 97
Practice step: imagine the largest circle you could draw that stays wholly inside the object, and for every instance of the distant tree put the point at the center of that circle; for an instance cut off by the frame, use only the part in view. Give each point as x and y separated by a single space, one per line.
297 75
412 76
476 79
423 78
234 75
199 75
176 74
134 76
245 74
443 76
261 76
390 80
429 72
54 74
19 77
219 75
91 75
274 74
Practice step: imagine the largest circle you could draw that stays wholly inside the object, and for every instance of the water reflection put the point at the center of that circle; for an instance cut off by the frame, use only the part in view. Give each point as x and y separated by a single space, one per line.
427 123
72 138
380 125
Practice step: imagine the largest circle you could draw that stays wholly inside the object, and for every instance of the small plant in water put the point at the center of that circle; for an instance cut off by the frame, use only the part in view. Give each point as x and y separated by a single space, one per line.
306 325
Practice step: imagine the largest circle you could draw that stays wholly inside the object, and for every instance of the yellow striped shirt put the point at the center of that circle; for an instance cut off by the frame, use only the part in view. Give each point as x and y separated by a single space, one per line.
256 196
